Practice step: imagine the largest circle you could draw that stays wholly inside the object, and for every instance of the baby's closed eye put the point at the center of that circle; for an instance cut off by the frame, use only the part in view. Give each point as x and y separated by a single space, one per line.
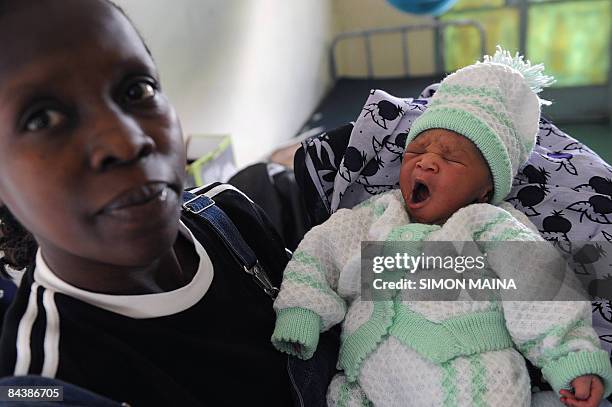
453 159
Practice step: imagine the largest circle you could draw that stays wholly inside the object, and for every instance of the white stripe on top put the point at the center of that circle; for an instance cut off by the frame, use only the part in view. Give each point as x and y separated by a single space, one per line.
52 335
24 332
137 306
217 190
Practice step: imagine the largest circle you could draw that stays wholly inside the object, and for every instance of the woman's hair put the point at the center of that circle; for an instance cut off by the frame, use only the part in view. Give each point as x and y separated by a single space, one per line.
17 245
5 4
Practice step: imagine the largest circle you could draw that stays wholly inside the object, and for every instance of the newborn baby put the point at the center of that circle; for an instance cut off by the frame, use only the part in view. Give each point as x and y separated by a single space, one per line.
461 155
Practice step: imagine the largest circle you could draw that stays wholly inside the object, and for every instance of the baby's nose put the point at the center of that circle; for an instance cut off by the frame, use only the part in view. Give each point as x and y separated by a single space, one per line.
428 162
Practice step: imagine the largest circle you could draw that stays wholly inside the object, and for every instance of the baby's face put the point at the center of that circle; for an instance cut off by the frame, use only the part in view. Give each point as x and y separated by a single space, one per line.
91 151
442 172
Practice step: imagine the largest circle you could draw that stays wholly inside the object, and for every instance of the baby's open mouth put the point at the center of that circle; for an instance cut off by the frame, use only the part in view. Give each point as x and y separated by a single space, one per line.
420 193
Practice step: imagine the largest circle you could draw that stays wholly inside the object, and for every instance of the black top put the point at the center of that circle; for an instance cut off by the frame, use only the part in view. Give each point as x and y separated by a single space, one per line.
215 352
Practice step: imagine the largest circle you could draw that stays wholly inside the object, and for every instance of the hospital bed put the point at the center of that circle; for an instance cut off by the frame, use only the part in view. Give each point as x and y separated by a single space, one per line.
343 102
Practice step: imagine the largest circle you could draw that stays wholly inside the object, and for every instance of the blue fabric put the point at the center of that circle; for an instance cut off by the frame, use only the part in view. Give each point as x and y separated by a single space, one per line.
310 378
205 207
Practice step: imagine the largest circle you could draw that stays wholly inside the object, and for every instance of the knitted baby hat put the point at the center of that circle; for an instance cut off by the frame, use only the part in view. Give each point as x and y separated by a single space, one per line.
495 105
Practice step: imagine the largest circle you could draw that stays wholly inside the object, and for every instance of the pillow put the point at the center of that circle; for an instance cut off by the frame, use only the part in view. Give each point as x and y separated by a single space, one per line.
565 188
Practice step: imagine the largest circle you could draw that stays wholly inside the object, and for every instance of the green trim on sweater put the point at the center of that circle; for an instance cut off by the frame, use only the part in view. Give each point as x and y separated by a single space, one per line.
513 234
320 284
378 209
412 232
449 384
344 395
439 342
556 331
297 332
311 261
479 381
499 218
359 344
560 372
296 278
457 336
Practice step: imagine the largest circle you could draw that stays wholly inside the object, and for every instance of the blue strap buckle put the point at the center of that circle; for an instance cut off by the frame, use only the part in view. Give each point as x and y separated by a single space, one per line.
231 237
198 204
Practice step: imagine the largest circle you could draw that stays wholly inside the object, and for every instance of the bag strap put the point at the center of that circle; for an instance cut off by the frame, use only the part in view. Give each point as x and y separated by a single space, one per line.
205 208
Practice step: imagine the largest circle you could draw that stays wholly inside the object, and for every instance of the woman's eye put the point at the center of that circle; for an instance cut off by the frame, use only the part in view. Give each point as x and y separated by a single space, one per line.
44 119
140 91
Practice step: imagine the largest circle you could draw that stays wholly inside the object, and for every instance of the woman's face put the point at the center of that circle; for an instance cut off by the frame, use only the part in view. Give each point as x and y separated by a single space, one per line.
91 152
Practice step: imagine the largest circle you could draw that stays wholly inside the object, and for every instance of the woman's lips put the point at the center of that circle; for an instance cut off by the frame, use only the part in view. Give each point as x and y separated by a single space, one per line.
137 196
147 202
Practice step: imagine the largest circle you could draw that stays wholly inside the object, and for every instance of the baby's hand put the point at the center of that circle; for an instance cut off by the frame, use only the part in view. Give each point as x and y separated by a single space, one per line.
588 391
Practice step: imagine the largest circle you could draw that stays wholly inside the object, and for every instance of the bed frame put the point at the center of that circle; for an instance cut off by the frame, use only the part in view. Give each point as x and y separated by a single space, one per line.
436 26
343 102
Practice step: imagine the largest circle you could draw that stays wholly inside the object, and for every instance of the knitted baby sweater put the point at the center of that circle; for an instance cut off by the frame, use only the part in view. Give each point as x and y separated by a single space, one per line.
403 352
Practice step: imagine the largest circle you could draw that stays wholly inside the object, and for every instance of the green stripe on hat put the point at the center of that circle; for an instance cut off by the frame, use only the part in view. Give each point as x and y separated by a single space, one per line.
472 128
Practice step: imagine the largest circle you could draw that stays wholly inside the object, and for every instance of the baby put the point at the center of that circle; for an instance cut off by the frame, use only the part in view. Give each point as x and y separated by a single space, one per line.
457 168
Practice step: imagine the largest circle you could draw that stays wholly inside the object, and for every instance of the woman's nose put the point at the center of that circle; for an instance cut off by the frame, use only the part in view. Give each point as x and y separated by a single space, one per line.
428 162
116 141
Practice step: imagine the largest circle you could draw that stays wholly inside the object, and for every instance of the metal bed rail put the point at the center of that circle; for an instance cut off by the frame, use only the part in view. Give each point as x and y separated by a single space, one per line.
436 25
